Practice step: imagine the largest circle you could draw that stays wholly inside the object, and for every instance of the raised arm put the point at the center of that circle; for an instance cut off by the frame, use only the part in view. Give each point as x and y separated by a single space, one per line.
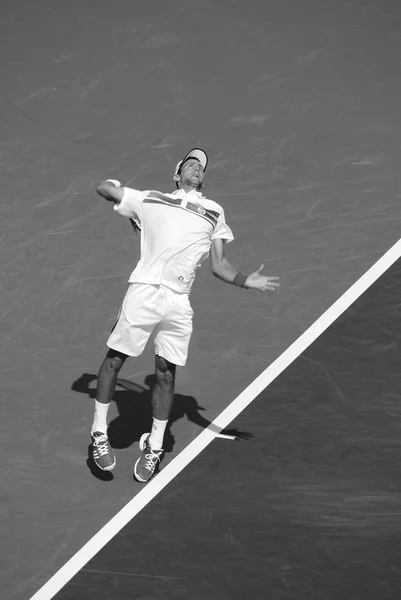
127 202
111 190
222 269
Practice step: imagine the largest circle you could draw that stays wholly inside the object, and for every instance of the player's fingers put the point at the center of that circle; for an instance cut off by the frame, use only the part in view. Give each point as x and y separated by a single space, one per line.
260 269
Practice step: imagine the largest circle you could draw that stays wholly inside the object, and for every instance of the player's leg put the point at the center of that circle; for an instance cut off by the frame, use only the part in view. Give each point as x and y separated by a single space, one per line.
107 378
136 321
171 344
151 443
162 400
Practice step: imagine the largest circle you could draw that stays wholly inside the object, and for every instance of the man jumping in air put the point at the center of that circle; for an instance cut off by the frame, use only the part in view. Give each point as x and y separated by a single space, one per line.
178 231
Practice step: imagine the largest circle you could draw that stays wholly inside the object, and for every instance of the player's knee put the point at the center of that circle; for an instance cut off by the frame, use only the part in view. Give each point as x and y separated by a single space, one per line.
115 361
165 373
165 381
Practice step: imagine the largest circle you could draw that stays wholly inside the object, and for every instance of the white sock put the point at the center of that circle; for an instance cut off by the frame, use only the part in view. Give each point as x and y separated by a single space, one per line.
157 434
100 417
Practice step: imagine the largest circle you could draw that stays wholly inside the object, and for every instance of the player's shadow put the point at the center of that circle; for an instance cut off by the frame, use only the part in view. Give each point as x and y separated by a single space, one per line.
135 414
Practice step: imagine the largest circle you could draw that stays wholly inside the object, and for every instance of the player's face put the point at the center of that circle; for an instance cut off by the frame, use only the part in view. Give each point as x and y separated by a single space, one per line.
192 173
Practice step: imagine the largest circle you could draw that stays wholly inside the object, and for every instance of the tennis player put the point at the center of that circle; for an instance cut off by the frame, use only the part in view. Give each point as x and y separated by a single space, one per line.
178 231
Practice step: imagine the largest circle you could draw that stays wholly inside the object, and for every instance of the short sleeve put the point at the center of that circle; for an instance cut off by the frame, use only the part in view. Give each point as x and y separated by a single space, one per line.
131 204
222 230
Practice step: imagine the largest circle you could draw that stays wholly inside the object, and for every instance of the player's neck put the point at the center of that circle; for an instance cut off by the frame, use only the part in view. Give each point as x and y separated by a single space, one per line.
189 188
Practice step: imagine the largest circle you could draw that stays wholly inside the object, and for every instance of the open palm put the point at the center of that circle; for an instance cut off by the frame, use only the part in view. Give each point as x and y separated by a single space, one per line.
256 281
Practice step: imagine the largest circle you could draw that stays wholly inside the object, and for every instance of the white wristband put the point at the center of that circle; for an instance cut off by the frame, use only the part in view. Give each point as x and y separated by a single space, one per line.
115 181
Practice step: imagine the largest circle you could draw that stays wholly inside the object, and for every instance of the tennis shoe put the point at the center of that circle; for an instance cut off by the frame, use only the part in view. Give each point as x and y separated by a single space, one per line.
146 465
101 451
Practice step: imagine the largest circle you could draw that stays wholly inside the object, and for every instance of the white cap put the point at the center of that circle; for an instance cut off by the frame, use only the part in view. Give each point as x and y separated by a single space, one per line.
194 153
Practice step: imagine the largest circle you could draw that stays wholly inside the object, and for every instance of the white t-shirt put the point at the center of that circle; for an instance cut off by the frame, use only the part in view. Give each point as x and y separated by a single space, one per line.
177 230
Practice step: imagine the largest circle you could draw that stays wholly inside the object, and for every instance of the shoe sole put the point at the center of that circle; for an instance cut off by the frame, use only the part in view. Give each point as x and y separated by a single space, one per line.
142 441
110 468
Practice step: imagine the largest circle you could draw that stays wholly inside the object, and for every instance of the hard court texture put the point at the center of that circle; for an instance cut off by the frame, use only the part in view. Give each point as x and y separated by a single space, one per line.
297 105
309 507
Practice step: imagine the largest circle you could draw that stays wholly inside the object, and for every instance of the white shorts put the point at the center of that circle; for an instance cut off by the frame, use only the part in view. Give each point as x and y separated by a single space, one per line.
153 308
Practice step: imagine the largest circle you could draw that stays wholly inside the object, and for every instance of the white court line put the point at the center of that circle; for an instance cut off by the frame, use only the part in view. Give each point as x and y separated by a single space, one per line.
167 474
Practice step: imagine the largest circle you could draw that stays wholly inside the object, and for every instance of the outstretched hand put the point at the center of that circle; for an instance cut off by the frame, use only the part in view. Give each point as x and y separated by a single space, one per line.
256 281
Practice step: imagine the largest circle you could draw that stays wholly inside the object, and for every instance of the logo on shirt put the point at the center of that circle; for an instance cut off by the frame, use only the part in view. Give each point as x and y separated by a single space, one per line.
209 215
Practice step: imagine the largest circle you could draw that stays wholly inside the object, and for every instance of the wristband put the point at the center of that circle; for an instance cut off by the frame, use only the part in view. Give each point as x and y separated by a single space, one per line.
240 280
115 181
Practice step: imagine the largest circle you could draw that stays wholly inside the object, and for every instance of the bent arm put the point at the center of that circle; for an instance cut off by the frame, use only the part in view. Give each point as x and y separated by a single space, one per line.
127 202
110 191
222 269
219 263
